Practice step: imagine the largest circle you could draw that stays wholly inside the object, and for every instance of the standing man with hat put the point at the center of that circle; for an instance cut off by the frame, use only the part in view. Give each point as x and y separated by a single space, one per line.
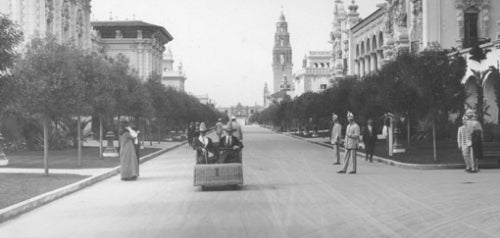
335 138
476 131
236 126
369 138
464 140
352 135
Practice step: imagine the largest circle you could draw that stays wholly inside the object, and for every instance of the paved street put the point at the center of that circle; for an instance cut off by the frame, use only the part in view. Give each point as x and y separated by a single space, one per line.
291 190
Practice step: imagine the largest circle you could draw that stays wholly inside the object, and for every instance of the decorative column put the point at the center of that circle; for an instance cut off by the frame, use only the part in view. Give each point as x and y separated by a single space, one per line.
416 26
388 44
400 25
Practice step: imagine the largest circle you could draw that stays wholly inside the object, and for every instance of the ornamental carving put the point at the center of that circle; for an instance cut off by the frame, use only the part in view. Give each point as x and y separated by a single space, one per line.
399 11
417 7
49 10
484 20
465 4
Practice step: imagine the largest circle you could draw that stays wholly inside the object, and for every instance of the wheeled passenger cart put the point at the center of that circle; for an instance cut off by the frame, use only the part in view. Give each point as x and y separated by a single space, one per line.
215 174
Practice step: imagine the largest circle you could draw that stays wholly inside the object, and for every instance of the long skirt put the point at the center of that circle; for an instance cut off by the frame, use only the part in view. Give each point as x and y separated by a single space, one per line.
129 164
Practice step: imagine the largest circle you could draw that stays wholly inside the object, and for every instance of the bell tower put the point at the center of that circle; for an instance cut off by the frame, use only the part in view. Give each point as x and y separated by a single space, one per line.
282 54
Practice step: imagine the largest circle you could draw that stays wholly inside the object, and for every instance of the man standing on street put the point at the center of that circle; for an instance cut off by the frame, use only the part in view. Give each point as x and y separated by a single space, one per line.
369 138
237 128
464 140
335 138
352 134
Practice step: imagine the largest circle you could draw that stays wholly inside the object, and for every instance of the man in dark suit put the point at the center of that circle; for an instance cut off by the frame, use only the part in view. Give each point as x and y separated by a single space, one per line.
230 146
369 138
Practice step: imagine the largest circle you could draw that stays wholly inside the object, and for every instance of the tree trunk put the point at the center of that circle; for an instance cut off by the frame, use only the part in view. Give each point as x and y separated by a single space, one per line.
46 145
150 133
480 105
79 140
408 134
434 139
100 137
159 131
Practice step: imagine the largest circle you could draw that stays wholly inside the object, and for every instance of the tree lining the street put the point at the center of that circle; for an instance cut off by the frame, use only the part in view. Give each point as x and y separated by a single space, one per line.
56 85
423 89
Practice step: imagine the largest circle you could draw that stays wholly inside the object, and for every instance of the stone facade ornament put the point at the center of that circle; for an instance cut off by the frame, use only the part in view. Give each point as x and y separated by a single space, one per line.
483 7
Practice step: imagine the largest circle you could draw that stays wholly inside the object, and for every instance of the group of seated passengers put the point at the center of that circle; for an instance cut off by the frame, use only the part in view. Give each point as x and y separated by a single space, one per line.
228 146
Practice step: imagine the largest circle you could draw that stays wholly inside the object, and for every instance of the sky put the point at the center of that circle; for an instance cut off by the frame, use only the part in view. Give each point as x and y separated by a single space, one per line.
226 45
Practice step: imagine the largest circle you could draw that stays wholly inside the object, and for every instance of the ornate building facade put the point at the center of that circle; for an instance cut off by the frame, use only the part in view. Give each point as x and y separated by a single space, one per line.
241 112
362 46
142 43
171 77
314 76
67 20
282 54
414 25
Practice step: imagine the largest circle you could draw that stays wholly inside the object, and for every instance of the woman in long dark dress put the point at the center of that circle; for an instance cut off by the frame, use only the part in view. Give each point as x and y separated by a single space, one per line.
129 165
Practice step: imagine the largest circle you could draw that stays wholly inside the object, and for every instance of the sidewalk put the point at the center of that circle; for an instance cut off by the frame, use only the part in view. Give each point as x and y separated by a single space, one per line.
96 175
323 141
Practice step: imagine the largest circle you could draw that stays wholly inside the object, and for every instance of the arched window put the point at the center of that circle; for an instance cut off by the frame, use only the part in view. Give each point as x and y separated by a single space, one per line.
357 50
362 48
322 65
282 42
368 45
380 39
374 42
282 59
471 16
315 65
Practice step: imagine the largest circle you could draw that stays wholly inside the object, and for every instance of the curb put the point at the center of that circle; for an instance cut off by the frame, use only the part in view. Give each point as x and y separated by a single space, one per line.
40 200
384 160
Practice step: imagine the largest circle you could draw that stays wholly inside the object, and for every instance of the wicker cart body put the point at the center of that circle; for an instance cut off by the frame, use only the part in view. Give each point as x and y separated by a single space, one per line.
218 174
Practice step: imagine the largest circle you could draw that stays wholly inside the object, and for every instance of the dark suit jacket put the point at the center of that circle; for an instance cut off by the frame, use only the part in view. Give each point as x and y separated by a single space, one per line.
369 138
234 141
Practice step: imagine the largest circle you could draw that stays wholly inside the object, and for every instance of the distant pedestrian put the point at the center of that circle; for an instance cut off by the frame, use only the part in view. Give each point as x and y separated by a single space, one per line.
335 138
190 131
237 127
477 140
369 139
238 133
129 165
464 140
219 128
196 133
352 135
